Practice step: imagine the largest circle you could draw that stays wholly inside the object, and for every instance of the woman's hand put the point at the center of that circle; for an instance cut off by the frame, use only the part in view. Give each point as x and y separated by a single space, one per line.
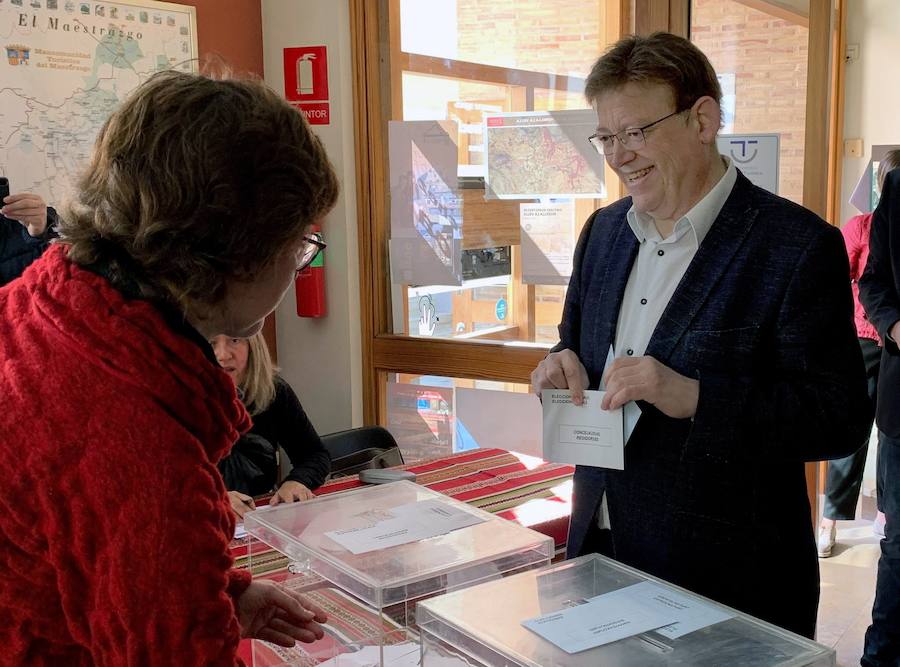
290 492
275 614
240 503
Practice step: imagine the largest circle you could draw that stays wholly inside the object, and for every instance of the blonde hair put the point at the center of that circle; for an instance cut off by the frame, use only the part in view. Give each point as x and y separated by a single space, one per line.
888 163
258 385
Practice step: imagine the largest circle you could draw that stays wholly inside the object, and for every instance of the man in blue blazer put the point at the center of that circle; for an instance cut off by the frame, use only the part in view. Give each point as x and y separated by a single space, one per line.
719 316
879 292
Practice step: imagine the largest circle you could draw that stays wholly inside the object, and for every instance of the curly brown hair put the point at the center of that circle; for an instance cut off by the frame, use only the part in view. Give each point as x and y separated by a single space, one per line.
195 182
660 58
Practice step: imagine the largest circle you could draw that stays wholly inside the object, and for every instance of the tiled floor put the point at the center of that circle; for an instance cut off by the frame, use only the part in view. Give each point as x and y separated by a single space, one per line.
848 588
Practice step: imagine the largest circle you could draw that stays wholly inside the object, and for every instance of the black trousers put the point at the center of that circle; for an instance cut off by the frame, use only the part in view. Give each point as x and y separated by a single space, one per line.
883 636
845 475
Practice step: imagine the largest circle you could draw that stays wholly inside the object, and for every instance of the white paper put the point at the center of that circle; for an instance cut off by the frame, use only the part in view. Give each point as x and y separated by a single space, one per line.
478 411
624 613
426 206
548 242
399 655
756 155
601 620
381 529
582 434
691 613
239 531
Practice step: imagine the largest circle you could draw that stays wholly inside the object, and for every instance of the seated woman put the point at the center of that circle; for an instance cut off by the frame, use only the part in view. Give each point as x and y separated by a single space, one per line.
190 220
251 469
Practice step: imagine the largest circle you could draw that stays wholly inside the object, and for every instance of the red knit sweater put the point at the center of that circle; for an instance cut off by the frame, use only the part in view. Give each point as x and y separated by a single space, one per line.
114 524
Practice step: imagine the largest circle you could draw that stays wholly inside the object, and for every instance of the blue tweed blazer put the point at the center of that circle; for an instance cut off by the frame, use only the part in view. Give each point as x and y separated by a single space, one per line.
763 318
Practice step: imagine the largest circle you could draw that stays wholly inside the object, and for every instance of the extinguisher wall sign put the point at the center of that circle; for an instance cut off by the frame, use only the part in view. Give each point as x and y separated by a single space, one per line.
310 288
306 82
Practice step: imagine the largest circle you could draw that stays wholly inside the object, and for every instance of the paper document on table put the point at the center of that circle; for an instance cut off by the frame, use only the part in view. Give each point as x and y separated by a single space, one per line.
601 620
582 434
239 531
383 528
691 613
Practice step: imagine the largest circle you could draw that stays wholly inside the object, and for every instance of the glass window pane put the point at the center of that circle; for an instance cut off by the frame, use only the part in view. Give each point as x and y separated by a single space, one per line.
761 60
432 416
559 37
465 263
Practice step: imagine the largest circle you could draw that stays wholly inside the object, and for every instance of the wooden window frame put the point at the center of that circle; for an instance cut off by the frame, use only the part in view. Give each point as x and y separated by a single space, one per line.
382 352
375 62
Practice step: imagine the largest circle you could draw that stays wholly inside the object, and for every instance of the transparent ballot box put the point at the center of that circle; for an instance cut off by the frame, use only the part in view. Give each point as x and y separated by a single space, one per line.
483 626
377 551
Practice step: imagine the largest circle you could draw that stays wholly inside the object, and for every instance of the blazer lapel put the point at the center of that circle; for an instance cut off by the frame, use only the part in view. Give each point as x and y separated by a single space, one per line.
712 260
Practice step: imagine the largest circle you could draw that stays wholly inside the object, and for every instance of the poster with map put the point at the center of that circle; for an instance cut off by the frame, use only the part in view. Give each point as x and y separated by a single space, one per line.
66 66
532 154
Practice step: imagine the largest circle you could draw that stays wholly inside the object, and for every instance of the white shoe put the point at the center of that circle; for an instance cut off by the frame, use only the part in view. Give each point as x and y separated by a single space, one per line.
825 544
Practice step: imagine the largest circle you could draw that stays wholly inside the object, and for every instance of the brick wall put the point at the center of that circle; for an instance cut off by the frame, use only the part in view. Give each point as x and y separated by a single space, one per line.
768 57
557 36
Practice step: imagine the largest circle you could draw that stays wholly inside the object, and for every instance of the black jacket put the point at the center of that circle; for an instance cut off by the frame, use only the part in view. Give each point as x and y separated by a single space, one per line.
251 468
18 249
763 317
879 292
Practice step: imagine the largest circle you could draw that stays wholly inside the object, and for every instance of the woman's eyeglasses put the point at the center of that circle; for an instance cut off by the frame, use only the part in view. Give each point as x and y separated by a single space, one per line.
312 246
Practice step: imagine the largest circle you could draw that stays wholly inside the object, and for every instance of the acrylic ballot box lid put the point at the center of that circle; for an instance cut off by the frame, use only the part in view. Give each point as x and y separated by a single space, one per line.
482 626
395 574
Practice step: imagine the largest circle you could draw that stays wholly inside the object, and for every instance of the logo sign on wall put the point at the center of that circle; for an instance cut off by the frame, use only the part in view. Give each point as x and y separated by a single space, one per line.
306 82
756 155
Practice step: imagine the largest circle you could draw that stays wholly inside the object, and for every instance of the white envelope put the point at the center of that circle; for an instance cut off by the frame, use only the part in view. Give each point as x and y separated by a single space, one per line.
582 434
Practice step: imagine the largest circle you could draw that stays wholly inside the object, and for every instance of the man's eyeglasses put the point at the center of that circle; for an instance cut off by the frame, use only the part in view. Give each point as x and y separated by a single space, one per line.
630 138
312 246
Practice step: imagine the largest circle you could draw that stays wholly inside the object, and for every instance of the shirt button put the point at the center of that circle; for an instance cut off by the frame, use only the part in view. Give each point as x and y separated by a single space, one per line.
660 252
643 302
629 352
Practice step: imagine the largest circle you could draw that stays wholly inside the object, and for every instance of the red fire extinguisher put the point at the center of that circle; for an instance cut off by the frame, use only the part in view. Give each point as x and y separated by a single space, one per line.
310 287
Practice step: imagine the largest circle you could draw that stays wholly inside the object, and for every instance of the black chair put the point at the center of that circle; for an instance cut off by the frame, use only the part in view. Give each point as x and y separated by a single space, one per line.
360 449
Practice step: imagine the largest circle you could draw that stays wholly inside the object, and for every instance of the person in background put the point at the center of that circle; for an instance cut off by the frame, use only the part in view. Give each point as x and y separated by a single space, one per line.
251 468
719 317
27 225
845 475
190 220
879 292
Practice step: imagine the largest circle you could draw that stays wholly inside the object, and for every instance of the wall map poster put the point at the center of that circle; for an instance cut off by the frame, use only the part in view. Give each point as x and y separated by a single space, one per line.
66 66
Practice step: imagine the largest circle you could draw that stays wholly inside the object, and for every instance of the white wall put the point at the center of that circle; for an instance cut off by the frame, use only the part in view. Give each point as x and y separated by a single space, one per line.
871 106
872 86
321 358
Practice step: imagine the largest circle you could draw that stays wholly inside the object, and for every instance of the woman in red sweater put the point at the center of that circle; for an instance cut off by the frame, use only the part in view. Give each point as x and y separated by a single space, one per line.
189 222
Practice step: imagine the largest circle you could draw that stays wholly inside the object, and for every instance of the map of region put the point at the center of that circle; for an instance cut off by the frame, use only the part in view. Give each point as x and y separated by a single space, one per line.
66 66
543 155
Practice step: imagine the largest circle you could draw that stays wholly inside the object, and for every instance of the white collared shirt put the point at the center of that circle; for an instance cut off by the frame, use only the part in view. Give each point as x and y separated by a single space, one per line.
658 268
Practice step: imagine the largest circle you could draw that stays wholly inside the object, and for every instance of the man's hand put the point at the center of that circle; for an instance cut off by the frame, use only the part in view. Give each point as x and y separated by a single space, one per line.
645 379
29 209
290 492
275 614
561 370
240 503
